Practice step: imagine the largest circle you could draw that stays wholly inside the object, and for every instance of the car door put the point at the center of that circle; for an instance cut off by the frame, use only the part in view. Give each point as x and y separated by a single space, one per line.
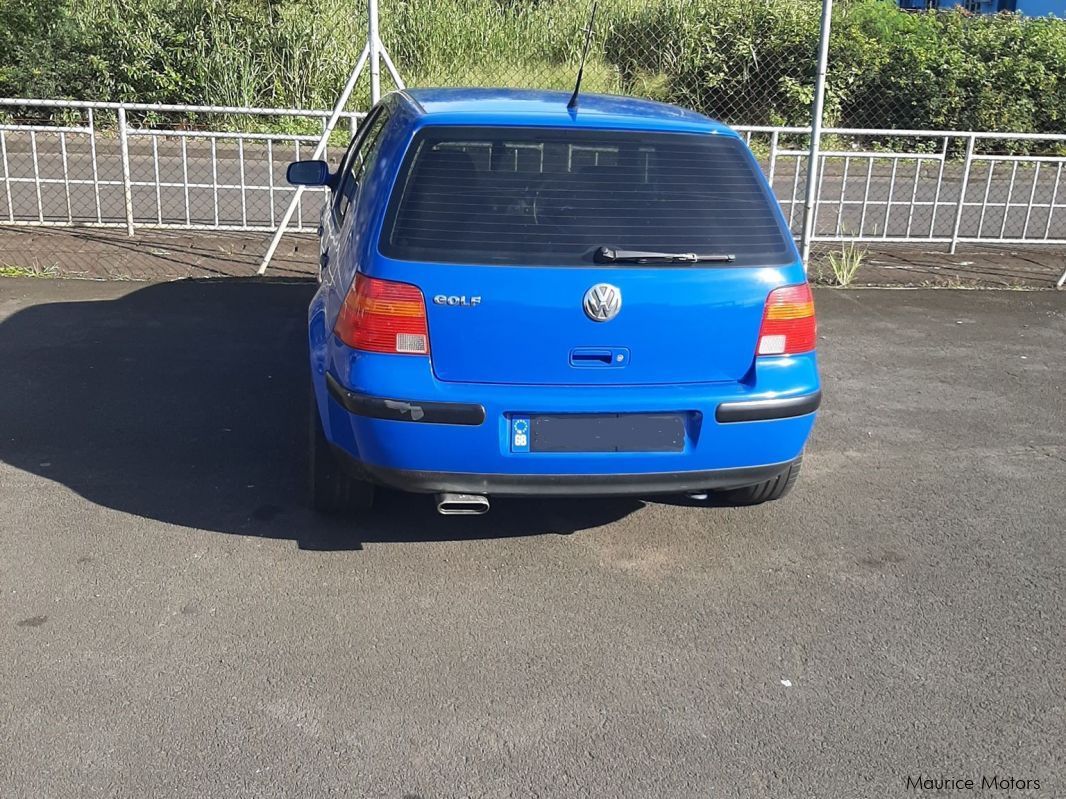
339 210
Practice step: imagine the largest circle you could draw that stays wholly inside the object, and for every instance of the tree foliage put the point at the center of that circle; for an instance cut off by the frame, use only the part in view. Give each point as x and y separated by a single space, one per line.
746 61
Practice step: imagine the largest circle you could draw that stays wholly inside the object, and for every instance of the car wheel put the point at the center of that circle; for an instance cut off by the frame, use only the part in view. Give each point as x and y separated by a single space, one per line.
332 489
766 491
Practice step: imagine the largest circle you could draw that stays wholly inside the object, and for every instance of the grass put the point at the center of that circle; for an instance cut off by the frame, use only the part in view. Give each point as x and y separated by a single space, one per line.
843 264
13 270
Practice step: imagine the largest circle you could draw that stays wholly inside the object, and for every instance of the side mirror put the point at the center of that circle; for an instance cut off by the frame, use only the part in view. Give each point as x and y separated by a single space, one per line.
309 173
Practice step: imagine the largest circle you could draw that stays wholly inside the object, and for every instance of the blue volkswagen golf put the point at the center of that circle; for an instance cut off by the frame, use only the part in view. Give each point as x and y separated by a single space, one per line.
521 298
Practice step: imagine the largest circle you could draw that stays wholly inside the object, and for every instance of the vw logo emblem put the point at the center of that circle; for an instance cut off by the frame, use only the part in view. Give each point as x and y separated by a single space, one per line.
602 302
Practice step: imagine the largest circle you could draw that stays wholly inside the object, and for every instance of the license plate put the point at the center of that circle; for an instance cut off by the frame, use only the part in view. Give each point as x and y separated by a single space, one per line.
601 432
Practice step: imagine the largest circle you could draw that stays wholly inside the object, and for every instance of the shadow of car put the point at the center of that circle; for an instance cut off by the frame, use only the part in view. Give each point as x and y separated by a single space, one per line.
186 403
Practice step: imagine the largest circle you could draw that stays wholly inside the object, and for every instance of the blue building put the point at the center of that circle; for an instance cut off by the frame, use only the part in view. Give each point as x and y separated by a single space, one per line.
1030 8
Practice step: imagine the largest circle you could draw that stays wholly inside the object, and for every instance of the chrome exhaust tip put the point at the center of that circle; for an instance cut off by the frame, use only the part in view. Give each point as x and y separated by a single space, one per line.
462 504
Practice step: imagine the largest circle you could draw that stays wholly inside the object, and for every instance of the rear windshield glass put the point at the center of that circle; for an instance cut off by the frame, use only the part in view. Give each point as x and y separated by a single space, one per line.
546 196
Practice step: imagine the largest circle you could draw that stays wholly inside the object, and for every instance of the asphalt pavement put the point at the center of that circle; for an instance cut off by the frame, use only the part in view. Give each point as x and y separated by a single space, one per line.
174 622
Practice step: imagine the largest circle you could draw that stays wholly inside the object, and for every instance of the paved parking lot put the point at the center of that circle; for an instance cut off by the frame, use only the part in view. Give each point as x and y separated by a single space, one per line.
174 623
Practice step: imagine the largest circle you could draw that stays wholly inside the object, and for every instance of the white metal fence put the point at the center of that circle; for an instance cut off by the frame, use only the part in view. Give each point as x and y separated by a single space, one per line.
118 165
140 174
920 191
943 187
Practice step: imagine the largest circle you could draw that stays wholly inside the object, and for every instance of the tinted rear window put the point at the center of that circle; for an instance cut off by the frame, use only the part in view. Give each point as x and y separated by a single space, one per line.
530 196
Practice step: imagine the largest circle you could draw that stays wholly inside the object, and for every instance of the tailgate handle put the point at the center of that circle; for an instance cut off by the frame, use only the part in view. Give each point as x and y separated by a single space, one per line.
601 357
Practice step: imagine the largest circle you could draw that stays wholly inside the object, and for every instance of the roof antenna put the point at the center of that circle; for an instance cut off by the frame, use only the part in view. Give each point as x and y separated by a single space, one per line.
584 54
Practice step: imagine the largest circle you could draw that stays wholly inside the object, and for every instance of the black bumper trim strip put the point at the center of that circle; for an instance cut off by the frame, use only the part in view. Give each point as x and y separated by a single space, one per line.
760 410
404 410
564 485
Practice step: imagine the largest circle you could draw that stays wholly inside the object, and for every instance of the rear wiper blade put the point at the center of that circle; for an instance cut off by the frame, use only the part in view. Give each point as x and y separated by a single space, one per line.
609 255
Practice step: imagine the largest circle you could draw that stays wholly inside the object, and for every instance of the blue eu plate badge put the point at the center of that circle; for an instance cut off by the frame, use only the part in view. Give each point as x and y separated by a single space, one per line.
520 434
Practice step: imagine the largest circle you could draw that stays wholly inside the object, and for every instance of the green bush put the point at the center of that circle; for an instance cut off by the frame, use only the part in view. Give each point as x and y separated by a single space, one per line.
751 62
948 70
746 61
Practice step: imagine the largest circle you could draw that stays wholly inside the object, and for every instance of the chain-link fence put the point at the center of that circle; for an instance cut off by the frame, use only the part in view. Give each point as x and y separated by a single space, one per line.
900 167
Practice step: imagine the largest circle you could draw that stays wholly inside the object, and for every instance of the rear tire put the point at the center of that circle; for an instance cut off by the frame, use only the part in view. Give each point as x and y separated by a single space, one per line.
766 491
332 490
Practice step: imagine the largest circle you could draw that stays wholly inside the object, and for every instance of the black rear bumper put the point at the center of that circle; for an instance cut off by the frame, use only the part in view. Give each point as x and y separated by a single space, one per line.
766 409
461 413
564 485
404 410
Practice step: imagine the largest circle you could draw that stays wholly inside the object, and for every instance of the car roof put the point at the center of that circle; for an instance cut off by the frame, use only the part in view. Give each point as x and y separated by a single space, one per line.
535 107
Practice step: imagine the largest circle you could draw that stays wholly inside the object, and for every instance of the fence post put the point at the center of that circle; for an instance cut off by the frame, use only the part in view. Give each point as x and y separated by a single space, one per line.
125 149
96 169
813 183
962 193
320 150
374 40
773 160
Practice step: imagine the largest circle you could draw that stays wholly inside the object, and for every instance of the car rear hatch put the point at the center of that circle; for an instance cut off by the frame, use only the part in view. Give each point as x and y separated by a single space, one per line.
503 229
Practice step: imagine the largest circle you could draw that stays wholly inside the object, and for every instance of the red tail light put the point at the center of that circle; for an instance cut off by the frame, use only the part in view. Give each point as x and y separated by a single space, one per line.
788 326
383 316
